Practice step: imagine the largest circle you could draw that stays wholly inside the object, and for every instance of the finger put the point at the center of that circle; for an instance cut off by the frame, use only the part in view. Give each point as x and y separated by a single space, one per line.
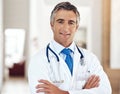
44 81
43 90
90 79
95 81
89 82
96 85
42 86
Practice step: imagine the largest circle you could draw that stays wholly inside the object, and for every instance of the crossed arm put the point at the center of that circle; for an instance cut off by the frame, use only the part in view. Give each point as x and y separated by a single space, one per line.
49 88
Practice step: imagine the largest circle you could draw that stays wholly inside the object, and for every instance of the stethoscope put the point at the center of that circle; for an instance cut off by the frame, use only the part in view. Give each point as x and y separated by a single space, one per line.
49 49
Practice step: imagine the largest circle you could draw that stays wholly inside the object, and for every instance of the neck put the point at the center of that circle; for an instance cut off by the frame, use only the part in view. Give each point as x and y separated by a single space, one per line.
66 44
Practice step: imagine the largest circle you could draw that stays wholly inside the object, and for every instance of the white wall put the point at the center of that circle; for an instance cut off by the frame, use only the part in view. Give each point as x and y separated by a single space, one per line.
40 22
115 34
16 14
1 46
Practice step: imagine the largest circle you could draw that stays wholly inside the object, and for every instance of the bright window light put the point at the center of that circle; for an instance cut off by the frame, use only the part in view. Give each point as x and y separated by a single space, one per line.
14 45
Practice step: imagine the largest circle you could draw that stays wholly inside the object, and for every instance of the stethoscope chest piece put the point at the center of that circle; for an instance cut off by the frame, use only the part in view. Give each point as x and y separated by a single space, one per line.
82 62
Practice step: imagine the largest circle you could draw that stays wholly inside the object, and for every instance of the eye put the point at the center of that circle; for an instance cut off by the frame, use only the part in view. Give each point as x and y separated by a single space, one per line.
72 23
60 21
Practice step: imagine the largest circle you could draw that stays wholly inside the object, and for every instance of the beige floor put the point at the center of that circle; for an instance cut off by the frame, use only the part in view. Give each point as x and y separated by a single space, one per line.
15 85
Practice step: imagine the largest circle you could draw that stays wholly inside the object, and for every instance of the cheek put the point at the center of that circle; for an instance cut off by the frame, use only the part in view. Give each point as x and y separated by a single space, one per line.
54 28
73 30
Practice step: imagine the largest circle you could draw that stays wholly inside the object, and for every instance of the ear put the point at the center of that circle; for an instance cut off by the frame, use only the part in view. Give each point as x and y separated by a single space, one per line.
51 24
77 27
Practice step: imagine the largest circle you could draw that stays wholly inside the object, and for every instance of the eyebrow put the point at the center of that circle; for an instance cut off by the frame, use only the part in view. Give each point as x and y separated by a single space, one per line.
72 21
60 20
63 20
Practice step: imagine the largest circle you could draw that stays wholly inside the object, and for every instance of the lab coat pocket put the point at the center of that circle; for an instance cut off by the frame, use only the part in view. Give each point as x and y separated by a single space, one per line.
80 84
82 76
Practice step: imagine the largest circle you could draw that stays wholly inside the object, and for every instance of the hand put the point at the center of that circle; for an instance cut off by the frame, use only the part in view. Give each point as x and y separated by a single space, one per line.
48 88
92 82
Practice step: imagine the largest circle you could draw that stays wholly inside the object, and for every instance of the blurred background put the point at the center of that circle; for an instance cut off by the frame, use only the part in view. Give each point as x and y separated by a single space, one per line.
25 28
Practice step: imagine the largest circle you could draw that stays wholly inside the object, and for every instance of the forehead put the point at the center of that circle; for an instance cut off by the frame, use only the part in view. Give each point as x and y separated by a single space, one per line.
65 14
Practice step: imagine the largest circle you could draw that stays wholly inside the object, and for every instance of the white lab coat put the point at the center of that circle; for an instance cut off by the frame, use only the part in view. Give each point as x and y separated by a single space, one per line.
59 74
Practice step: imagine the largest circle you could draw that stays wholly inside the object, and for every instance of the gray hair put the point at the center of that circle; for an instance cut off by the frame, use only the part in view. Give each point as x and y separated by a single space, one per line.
66 6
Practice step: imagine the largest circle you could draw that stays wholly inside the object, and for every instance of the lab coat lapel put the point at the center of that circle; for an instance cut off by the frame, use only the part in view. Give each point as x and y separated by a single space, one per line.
76 60
64 68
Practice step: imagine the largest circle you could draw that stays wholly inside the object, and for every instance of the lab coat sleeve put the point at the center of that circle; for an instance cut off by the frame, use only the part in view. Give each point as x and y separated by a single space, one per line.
36 71
96 68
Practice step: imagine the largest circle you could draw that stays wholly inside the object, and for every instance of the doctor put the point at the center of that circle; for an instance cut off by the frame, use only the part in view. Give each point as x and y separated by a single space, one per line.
62 67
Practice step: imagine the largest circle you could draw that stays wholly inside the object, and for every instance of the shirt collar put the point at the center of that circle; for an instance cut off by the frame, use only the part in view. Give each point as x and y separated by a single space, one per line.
58 47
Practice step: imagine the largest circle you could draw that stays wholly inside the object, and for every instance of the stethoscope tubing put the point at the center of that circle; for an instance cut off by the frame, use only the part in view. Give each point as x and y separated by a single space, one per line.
47 53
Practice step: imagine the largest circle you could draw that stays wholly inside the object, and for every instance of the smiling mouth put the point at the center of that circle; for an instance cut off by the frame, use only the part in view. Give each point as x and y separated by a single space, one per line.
64 34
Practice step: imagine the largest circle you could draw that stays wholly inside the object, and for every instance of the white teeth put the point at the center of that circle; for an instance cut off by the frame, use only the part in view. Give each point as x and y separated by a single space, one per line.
64 33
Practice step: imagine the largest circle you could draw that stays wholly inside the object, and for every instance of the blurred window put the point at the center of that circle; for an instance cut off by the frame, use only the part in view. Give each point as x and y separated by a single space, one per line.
14 45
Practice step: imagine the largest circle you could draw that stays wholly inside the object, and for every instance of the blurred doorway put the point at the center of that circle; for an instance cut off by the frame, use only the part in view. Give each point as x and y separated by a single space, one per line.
14 52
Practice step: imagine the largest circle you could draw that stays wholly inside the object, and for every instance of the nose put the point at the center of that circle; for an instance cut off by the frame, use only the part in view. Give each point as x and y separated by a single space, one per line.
66 27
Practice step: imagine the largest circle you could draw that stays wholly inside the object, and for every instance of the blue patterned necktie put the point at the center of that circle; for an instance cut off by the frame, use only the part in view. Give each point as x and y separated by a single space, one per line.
68 59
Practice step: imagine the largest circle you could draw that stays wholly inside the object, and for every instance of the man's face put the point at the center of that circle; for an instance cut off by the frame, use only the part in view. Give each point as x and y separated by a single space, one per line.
64 27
